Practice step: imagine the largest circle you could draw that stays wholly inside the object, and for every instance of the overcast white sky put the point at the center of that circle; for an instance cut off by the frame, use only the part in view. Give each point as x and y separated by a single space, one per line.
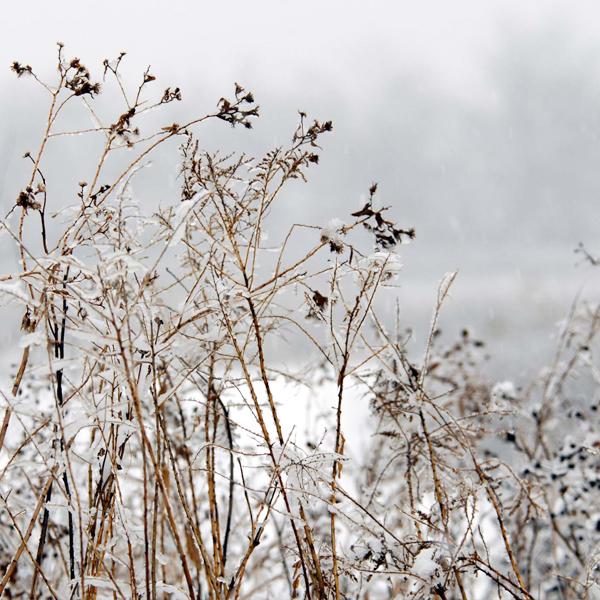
478 118
280 42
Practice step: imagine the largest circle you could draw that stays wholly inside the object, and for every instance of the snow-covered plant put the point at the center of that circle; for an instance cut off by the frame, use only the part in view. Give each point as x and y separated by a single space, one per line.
144 446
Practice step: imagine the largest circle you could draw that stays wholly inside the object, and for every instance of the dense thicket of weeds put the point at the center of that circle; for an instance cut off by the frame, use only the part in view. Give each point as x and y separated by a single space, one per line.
143 451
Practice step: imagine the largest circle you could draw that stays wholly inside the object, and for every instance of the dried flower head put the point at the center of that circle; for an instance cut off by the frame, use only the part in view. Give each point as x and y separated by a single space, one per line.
332 234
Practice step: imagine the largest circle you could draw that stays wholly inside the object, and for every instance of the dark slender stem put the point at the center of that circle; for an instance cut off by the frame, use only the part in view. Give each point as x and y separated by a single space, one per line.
231 481
42 543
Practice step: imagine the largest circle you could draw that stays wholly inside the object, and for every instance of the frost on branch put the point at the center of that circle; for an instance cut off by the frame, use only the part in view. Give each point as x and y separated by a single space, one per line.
151 443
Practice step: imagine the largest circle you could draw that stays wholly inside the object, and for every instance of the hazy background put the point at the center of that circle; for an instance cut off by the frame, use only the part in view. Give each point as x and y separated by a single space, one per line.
479 120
